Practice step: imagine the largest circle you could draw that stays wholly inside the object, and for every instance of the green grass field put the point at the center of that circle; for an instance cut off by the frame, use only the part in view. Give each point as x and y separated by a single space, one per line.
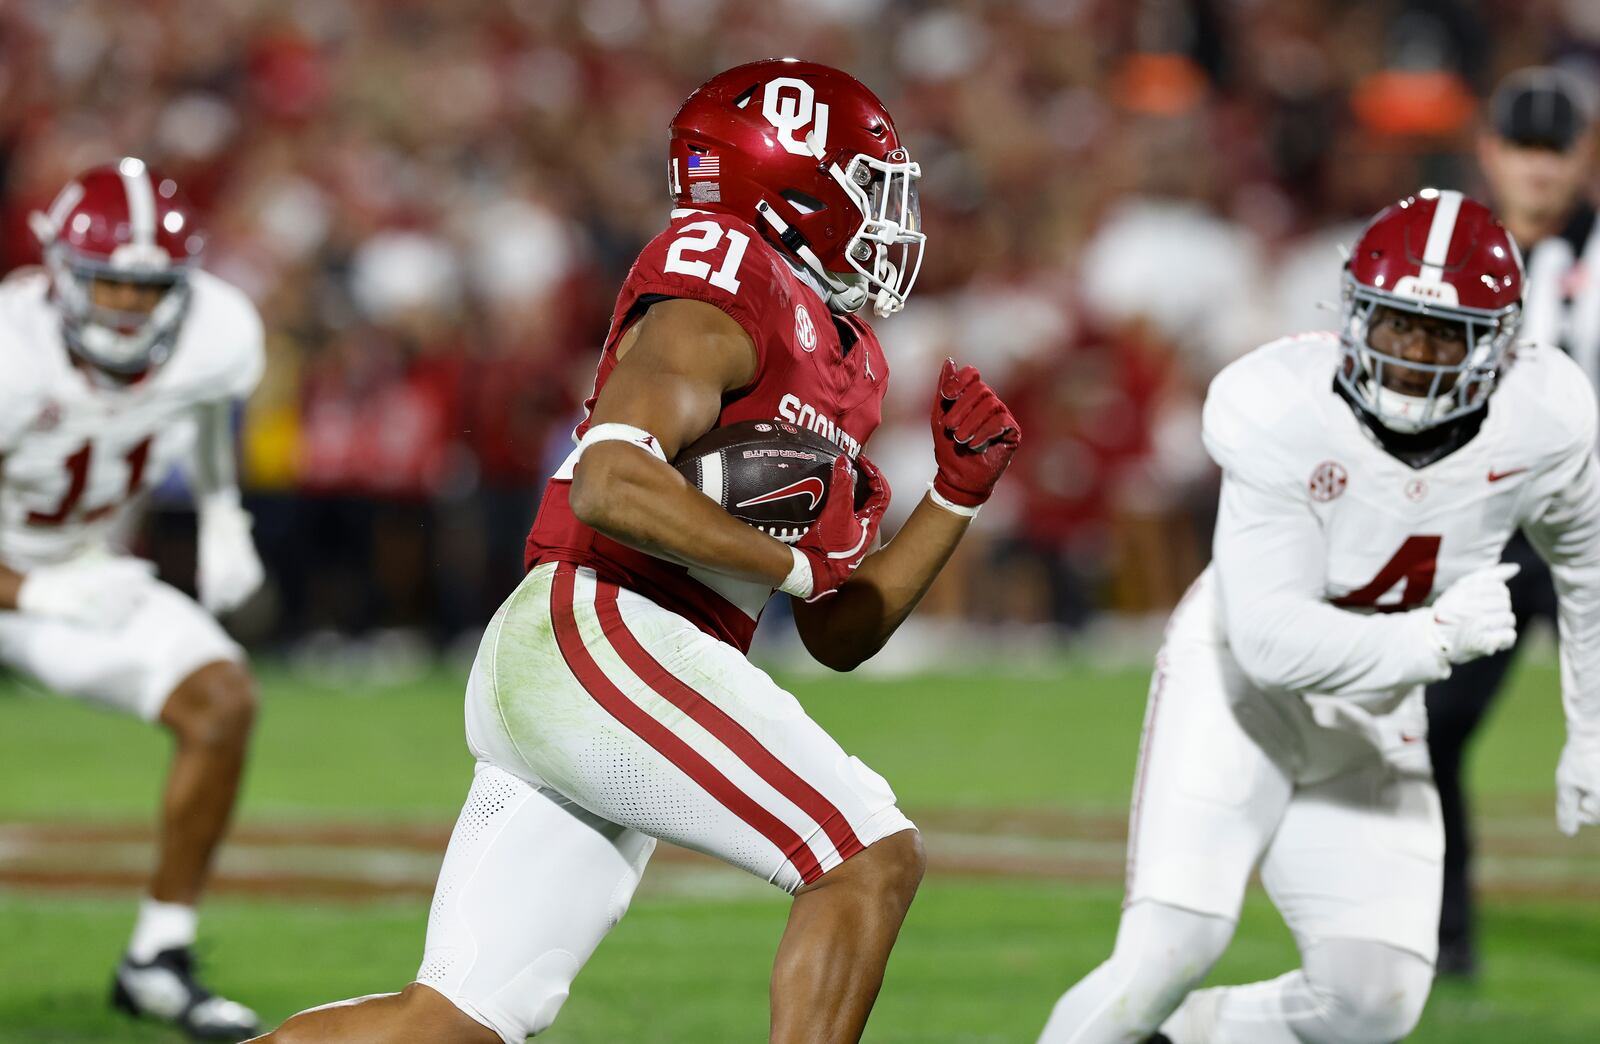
1014 778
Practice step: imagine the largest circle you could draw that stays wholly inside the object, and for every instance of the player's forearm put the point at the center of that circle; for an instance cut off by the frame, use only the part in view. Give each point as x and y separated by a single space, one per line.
1566 533
1577 584
1579 626
1268 559
847 629
640 501
215 472
1299 645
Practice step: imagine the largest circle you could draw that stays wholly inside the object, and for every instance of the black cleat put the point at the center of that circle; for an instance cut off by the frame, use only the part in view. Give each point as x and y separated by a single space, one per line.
1159 1038
165 989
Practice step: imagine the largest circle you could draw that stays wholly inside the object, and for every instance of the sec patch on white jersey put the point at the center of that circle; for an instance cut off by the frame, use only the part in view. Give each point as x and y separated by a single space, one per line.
1396 536
75 454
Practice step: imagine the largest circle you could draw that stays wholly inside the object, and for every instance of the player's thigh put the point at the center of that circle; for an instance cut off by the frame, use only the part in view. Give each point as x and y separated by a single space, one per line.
1207 794
529 886
1360 856
645 720
132 668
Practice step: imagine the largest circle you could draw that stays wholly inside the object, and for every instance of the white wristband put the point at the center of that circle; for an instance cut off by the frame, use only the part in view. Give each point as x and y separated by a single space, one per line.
951 506
799 582
621 433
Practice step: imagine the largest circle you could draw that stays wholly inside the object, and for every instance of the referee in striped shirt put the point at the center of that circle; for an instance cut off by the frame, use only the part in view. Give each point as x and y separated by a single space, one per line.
1535 154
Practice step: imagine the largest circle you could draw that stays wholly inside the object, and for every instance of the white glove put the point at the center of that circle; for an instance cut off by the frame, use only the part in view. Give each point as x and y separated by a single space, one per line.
229 567
95 590
1473 618
1578 784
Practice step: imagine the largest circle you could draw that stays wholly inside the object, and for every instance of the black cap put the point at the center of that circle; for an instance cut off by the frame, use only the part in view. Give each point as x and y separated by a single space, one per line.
1541 107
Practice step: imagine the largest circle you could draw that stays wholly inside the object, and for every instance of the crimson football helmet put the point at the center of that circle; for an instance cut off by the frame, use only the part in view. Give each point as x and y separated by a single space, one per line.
811 154
1437 254
120 222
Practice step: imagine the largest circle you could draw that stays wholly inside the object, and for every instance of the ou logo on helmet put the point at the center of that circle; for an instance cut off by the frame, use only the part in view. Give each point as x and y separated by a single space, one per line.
790 104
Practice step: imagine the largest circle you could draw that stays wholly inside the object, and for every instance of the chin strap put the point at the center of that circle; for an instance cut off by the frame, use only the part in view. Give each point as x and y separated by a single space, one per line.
840 295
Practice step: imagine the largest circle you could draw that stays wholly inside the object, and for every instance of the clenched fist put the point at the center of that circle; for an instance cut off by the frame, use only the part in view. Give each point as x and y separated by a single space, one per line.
974 436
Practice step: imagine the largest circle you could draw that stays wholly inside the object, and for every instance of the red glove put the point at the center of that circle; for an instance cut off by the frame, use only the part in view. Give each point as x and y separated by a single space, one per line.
974 436
842 535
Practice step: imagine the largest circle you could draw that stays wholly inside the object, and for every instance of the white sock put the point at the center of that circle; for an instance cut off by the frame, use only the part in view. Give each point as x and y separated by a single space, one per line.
161 926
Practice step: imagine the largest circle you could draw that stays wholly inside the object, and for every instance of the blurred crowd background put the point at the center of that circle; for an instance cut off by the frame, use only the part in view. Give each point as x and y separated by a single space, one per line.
433 203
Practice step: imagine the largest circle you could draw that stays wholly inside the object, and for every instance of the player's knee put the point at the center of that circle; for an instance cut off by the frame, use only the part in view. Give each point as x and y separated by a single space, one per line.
1165 951
214 706
1371 993
520 1005
899 866
887 872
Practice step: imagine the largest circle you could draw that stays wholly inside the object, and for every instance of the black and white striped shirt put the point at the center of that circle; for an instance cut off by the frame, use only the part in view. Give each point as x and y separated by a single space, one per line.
1561 300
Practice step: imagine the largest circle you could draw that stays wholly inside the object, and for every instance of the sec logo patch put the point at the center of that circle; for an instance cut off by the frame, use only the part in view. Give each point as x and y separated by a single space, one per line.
1328 481
805 331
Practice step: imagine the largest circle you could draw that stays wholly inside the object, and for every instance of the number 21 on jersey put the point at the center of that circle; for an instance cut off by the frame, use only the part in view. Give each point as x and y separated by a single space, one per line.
710 235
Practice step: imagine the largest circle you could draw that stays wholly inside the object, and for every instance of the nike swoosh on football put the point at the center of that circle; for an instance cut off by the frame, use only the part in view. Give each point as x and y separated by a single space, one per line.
1496 476
808 487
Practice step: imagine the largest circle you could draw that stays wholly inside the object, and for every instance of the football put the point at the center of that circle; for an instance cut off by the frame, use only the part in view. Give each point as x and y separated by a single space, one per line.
770 474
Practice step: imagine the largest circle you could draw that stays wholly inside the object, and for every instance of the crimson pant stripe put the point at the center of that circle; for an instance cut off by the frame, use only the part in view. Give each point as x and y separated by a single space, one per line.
659 737
729 732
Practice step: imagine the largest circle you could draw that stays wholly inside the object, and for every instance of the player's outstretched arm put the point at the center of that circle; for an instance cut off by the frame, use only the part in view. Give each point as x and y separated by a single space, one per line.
229 569
846 630
10 579
974 438
1566 532
675 365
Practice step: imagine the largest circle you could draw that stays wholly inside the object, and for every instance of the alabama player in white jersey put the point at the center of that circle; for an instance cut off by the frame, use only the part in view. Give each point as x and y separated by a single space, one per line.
1371 478
121 361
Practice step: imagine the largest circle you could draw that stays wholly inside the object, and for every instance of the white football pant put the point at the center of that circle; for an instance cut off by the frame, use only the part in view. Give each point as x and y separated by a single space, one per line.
1348 839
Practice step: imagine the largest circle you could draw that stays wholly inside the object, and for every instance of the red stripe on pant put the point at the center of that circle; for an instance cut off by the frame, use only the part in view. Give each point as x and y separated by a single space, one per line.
729 732
659 737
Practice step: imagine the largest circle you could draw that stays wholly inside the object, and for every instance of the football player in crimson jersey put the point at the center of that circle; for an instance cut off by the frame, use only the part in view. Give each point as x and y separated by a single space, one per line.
121 359
1371 478
611 702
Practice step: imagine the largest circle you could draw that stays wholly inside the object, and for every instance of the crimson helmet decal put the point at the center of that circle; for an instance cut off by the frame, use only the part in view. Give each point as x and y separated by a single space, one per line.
1439 254
810 155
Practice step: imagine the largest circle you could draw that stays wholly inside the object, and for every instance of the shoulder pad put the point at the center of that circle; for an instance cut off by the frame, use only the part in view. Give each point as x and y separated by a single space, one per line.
224 339
1263 413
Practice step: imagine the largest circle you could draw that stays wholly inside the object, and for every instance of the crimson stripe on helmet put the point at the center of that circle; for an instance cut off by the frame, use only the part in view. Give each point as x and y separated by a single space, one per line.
141 200
65 200
1443 229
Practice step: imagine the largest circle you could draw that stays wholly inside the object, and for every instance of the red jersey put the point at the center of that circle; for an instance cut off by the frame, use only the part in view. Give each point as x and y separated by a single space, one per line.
822 371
